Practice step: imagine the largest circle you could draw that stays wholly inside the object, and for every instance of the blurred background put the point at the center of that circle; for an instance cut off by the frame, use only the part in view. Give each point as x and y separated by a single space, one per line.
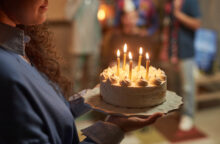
88 32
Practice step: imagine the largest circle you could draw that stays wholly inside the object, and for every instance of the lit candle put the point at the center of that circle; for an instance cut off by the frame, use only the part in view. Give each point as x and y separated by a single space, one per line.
147 65
125 55
140 57
130 65
118 62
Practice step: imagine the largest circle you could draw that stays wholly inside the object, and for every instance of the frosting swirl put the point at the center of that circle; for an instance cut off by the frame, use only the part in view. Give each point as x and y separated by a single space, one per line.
161 71
152 69
103 76
155 77
113 79
155 81
163 77
142 82
125 83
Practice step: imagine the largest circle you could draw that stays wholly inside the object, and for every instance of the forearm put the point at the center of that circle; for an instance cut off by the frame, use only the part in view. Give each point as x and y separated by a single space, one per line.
188 21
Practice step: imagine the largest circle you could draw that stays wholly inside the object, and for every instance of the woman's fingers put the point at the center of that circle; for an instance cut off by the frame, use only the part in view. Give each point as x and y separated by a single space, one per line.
147 121
133 123
151 119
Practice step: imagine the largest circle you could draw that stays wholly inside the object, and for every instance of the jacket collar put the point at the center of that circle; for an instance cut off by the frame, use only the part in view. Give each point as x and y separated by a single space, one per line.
12 39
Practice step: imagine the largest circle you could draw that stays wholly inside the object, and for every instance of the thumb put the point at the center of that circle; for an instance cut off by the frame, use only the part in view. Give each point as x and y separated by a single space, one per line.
151 119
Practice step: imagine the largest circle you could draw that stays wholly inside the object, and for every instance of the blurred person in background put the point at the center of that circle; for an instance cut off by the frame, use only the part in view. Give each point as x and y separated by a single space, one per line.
147 20
181 22
33 109
86 39
129 30
171 69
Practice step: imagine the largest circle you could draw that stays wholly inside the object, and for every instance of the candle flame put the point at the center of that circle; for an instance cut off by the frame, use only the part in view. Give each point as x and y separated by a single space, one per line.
125 48
118 53
141 51
101 14
147 56
130 55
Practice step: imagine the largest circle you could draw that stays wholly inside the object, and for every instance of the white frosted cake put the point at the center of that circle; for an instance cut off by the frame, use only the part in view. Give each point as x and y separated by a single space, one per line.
137 92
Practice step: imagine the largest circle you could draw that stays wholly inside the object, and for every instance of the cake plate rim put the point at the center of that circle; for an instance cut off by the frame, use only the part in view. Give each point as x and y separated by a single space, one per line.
93 99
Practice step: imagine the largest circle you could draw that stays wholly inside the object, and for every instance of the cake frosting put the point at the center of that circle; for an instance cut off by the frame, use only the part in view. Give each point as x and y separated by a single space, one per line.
136 92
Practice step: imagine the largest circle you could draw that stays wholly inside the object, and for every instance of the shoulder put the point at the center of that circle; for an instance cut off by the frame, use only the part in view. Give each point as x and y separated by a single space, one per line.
9 66
11 78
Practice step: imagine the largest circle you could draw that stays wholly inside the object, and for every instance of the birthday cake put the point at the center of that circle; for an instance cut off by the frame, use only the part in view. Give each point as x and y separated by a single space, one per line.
118 88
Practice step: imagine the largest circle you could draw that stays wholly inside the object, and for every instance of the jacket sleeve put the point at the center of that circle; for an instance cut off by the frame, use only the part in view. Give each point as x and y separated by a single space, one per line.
103 133
100 132
19 122
77 105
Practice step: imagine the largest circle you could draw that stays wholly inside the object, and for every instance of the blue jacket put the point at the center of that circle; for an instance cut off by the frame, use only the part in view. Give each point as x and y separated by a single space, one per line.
32 109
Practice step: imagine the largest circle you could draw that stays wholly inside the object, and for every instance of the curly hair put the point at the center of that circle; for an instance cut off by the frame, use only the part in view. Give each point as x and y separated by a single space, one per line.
43 55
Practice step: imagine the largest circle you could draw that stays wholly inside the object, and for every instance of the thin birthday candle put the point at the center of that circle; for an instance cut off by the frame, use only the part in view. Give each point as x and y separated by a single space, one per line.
147 65
118 62
130 65
140 58
125 55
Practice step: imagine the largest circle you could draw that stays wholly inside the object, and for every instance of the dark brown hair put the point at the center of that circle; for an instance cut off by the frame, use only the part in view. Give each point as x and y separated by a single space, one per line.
43 55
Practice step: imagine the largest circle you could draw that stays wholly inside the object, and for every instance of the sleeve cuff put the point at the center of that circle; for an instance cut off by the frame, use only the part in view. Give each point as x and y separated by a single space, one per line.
104 133
78 107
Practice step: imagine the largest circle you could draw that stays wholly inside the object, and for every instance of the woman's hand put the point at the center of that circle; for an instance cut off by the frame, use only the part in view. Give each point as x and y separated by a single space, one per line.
128 124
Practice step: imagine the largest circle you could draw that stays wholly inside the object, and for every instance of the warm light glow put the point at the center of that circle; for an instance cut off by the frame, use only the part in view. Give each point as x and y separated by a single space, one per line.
141 51
147 56
118 53
125 48
130 56
101 14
